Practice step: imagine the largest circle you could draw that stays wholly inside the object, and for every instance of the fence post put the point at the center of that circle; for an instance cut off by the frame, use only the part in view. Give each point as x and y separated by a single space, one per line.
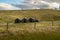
35 25
52 22
7 28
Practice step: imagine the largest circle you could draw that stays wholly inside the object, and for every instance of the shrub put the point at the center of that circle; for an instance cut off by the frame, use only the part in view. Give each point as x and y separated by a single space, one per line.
36 20
17 20
31 20
24 20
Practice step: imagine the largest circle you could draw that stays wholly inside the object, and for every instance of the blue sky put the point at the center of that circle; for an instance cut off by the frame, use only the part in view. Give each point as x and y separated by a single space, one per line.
11 1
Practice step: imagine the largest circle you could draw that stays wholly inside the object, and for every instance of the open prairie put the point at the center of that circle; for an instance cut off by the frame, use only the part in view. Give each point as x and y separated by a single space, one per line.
48 27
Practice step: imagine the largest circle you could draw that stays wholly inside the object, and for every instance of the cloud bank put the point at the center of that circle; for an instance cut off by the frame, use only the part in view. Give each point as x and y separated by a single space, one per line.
51 5
31 4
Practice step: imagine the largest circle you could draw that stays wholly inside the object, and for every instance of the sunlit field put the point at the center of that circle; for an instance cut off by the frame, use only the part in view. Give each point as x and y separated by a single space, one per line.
48 27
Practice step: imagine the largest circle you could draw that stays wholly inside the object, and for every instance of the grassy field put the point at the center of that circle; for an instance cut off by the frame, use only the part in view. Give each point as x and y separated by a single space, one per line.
28 31
10 16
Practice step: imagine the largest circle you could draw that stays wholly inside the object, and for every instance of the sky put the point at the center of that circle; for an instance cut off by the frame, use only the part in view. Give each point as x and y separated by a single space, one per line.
11 1
28 4
7 4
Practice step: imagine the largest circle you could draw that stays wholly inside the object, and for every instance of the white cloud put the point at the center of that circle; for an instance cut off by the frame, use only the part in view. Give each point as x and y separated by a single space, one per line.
32 2
55 5
51 5
45 2
6 6
35 8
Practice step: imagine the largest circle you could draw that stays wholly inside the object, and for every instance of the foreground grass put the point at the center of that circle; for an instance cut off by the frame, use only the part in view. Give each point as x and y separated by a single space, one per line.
25 35
15 32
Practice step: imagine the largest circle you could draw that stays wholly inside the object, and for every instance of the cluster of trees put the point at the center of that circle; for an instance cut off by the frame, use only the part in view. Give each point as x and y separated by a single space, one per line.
24 20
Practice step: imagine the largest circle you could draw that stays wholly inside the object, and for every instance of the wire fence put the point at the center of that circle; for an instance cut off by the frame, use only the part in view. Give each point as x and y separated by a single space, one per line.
15 27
